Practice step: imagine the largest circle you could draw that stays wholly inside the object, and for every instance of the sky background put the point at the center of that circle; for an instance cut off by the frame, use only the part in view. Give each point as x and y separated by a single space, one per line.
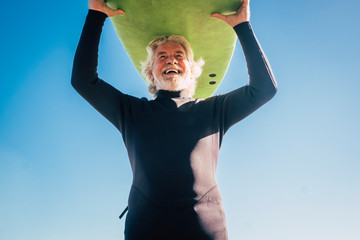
288 171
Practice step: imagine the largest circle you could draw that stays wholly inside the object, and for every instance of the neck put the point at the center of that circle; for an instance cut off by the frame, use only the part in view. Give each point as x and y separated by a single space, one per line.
172 94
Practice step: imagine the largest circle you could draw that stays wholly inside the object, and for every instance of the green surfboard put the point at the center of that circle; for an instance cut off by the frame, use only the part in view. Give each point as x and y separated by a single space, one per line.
212 39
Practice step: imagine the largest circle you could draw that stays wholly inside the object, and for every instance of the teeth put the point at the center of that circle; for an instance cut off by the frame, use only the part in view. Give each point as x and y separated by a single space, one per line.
171 70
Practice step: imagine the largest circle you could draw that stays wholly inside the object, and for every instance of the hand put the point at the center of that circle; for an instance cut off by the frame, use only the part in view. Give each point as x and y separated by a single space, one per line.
101 6
241 15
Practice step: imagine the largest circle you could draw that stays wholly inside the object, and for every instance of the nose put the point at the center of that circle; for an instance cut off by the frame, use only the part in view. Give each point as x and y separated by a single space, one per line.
171 60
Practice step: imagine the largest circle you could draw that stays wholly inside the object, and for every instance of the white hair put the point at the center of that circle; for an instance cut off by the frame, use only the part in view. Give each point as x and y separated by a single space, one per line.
196 66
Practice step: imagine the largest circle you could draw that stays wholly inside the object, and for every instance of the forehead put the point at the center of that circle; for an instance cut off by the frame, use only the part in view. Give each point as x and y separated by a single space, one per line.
169 46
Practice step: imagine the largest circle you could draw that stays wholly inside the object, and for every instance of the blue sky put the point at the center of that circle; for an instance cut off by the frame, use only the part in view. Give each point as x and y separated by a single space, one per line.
289 171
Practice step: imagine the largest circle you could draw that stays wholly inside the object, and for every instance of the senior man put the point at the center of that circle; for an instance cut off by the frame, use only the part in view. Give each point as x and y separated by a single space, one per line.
173 141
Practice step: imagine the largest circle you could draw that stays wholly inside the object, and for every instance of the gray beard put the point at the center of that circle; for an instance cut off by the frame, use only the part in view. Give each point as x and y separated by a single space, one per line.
173 83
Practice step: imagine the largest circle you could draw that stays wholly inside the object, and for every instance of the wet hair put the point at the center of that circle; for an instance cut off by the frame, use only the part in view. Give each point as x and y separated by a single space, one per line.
196 66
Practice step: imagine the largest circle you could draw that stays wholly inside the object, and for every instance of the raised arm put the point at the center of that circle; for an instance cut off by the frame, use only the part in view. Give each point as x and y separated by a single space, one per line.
86 56
109 101
241 102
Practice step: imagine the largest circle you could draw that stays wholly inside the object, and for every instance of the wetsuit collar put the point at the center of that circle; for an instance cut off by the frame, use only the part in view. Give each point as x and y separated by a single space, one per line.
171 94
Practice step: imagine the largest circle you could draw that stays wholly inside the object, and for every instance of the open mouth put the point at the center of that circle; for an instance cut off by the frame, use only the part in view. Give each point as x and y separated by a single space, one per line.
171 71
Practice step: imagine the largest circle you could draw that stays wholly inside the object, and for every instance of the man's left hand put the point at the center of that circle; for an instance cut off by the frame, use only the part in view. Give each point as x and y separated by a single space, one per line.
241 15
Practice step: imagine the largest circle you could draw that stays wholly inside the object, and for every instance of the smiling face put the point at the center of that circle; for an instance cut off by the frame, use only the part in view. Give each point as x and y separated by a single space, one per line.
171 69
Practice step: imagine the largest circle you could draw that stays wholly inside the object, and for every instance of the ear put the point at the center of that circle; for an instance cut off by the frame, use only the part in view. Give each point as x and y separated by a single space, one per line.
192 73
151 76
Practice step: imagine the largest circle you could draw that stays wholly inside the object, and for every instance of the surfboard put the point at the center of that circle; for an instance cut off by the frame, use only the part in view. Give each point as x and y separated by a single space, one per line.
210 38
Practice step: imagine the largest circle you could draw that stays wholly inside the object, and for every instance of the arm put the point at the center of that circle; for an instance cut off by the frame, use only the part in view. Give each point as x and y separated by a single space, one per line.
241 102
110 102
86 56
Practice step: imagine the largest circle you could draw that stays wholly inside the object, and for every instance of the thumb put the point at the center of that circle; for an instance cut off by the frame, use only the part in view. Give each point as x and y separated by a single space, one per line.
218 15
114 12
118 12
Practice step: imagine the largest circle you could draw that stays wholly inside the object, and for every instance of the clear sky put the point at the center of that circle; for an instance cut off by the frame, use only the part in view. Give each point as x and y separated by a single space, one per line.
289 171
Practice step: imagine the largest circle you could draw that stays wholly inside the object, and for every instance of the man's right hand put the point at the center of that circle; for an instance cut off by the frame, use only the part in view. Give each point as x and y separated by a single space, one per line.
101 6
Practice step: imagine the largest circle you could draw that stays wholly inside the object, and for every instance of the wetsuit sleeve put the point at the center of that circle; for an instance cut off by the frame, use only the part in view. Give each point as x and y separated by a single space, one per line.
110 102
241 102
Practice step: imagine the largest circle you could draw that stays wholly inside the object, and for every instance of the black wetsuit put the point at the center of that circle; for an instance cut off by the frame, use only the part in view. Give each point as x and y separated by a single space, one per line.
173 141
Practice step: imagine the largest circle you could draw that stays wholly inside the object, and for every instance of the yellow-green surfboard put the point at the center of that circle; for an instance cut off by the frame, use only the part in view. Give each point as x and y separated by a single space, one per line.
210 38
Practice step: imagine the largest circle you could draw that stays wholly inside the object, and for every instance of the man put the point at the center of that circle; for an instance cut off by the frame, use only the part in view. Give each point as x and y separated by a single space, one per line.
173 141
170 65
